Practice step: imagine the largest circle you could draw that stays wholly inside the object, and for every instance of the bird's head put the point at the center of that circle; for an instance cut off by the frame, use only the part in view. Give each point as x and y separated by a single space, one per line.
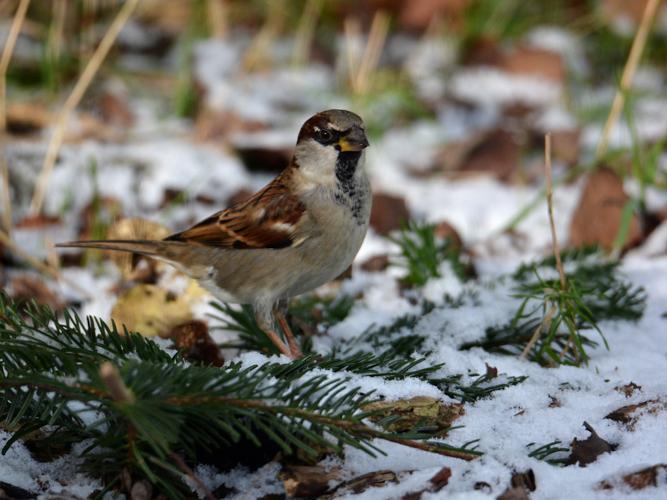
331 142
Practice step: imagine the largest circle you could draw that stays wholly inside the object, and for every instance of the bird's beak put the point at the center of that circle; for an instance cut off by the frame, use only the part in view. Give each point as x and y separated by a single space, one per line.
354 140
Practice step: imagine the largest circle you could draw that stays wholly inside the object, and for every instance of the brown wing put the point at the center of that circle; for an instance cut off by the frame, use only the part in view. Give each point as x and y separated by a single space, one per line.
270 219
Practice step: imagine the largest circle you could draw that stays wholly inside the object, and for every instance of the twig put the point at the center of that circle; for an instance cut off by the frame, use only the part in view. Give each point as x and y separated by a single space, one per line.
73 100
305 32
372 52
538 331
255 54
628 75
218 17
117 389
120 393
352 31
7 52
550 207
58 28
554 245
190 473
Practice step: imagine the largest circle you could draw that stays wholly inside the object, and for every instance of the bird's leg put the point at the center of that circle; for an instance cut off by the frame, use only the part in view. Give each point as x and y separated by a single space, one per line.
265 323
291 341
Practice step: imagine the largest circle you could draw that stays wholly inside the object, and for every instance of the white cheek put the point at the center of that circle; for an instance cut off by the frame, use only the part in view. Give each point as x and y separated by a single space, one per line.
316 161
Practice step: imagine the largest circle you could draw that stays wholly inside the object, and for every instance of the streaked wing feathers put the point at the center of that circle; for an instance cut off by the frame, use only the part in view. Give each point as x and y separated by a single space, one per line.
270 219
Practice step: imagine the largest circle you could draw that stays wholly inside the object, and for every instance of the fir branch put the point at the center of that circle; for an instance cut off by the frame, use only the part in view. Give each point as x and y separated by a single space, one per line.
551 323
154 405
423 253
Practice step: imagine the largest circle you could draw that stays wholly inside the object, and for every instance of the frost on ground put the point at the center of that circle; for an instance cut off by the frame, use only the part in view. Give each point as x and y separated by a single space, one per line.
549 406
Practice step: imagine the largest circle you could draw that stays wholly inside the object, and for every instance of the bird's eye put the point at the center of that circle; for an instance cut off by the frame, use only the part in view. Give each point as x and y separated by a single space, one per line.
324 135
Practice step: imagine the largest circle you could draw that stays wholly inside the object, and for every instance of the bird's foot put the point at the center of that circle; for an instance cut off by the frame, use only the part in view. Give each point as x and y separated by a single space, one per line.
291 340
277 341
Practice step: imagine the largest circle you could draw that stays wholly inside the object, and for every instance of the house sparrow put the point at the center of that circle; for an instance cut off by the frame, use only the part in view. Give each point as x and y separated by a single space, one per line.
300 231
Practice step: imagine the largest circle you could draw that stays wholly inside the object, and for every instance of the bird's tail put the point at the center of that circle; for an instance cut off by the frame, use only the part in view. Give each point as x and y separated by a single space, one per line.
142 247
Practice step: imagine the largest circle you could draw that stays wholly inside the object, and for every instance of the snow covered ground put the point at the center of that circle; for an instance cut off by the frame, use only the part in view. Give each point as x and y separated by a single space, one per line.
552 404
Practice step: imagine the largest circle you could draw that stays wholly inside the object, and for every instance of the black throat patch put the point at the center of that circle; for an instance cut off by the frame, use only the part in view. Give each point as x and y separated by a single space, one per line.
346 166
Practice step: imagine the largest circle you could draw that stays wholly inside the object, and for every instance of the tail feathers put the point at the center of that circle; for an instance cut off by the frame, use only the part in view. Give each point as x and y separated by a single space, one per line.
141 247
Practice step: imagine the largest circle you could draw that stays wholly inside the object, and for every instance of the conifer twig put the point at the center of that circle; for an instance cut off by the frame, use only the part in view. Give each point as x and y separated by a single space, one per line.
629 70
73 100
7 52
111 377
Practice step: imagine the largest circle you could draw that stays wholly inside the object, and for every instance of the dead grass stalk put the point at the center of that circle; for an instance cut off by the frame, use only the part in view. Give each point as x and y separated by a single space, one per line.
73 100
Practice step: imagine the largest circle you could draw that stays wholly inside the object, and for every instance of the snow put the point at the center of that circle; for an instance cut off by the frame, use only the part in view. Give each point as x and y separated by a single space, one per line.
161 155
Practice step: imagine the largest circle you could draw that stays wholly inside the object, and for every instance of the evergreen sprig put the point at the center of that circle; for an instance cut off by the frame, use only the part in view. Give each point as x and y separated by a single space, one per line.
422 253
552 321
52 381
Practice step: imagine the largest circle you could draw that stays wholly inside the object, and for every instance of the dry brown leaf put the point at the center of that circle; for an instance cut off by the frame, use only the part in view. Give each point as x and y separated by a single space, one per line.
362 483
195 343
306 480
649 477
417 411
587 451
498 154
630 414
388 213
437 482
376 264
598 216
532 61
27 288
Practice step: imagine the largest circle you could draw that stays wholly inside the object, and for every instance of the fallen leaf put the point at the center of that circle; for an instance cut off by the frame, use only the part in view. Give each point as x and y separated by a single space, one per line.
653 476
361 483
437 482
418 412
482 51
115 109
376 264
306 480
388 213
587 451
628 389
497 154
417 15
630 414
25 288
150 310
444 230
195 343
533 61
598 216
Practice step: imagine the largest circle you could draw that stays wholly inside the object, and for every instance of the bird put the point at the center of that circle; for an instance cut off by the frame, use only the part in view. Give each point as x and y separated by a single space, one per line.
300 231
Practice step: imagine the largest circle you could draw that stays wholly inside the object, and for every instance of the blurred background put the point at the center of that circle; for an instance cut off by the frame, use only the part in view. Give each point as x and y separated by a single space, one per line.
135 118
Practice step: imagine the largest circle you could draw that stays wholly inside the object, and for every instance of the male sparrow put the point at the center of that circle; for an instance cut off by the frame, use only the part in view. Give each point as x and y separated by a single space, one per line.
300 231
